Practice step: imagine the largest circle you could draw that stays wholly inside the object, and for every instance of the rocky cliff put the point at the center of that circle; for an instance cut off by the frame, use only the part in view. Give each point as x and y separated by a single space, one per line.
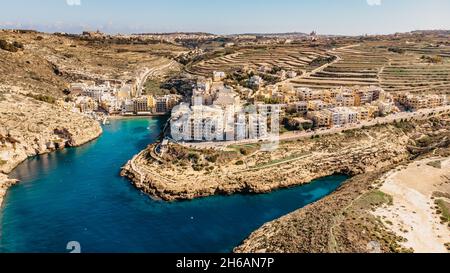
344 221
189 174
29 127
5 183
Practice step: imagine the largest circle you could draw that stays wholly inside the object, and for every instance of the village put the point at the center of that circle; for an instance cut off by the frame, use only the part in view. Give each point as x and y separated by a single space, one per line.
116 98
220 112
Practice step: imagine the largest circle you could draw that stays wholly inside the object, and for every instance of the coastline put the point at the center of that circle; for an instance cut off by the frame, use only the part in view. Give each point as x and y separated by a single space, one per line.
119 117
368 214
293 164
412 214
6 182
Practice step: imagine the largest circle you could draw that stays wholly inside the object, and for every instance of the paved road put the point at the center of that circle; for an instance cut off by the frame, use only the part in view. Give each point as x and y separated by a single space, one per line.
292 136
151 73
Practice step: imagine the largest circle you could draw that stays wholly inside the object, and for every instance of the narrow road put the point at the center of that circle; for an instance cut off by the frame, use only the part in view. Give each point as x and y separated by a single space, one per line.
142 79
292 136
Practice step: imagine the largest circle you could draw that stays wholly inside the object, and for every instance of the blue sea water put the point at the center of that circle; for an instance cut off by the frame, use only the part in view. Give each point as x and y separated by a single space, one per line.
77 195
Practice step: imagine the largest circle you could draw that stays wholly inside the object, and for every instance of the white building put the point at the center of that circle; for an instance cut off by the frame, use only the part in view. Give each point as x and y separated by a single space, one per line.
342 115
256 81
219 76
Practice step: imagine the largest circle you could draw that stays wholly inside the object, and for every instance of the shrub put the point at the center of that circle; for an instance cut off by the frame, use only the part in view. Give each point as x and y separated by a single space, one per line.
193 157
396 50
40 97
240 162
244 151
212 158
7 46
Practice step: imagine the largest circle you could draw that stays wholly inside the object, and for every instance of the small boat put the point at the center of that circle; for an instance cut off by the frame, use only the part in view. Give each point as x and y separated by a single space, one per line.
106 121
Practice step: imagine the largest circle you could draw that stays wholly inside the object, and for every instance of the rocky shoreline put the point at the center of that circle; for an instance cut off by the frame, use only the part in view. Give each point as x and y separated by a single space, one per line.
295 163
31 128
5 183
343 222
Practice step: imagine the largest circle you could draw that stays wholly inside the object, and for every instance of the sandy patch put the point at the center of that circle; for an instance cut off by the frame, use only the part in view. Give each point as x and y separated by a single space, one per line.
412 214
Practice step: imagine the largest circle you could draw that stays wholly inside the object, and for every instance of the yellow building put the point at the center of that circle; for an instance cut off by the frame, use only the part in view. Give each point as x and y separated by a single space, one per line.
151 101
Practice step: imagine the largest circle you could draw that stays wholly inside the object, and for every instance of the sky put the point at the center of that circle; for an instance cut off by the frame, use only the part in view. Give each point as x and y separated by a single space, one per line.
340 17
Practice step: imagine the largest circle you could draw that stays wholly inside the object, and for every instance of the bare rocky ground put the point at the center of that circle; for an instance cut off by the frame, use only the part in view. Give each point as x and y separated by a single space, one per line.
341 222
183 173
30 127
41 66
48 63
345 221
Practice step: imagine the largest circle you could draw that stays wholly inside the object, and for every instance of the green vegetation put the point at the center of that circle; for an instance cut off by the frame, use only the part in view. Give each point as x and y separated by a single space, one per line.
269 78
41 97
319 61
292 124
212 158
245 149
432 59
152 87
375 198
435 164
194 157
443 209
268 100
397 50
281 160
403 125
11 47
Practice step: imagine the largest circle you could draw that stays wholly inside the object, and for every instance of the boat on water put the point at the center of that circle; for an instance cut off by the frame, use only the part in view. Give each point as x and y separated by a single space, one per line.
106 121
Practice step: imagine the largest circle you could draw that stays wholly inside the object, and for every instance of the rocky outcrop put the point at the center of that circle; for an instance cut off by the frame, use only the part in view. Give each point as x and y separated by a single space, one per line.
29 127
342 222
5 183
294 163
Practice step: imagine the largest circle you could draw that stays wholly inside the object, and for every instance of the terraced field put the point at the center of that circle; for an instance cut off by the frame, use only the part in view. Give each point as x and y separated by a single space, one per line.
370 64
288 57
356 65
408 68
408 72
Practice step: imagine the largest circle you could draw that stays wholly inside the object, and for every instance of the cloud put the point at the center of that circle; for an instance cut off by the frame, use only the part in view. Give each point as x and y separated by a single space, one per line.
374 2
73 2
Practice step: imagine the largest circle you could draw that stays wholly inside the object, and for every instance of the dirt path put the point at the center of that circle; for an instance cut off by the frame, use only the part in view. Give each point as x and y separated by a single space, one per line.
412 214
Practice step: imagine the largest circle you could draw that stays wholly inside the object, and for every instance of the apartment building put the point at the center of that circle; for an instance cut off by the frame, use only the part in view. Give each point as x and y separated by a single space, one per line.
345 99
320 118
342 115
166 103
307 94
97 91
256 82
141 106
300 107
213 123
416 102
337 116
318 105
219 76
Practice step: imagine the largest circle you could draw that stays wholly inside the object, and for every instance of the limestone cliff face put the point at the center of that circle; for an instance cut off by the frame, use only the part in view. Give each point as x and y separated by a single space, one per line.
294 163
5 183
344 221
29 127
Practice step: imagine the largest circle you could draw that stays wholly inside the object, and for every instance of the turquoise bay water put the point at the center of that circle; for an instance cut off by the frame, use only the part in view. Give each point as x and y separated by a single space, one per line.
78 195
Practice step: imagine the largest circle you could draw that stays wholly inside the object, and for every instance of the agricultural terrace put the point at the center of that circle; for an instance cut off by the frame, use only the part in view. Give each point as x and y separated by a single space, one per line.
289 57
